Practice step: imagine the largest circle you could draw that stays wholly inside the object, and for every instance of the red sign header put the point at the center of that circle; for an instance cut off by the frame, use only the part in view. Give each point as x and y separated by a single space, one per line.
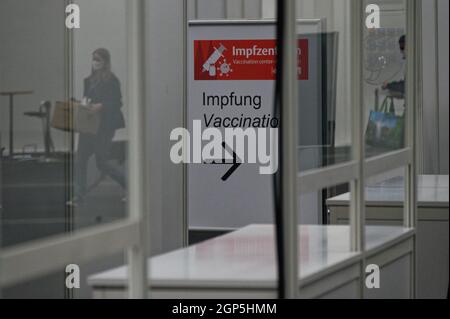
242 59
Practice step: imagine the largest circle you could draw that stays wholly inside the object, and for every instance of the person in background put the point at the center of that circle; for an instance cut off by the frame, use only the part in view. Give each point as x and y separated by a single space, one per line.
397 87
102 91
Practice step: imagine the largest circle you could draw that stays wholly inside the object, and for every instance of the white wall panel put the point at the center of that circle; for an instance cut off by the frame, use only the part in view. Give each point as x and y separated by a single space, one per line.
191 9
341 24
234 9
252 9
430 119
443 81
224 9
211 9
268 9
165 108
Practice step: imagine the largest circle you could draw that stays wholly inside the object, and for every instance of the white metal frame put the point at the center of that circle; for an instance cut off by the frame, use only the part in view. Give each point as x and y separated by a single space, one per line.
26 261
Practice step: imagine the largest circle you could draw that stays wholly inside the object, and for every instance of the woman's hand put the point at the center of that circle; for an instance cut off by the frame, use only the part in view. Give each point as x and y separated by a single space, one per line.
95 108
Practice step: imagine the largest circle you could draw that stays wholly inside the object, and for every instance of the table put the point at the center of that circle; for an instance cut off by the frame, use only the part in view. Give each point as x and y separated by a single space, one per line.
241 264
384 206
11 95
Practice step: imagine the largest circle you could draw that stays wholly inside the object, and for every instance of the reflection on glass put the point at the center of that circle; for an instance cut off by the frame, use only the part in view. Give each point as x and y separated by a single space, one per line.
99 179
384 61
101 105
385 127
324 114
33 156
62 157
384 197
324 206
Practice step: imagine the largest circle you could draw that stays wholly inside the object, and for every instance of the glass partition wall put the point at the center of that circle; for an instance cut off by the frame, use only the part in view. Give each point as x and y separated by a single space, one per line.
349 104
72 173
375 70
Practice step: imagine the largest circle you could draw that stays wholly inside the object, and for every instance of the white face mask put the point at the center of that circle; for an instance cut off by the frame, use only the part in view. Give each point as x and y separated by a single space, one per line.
97 65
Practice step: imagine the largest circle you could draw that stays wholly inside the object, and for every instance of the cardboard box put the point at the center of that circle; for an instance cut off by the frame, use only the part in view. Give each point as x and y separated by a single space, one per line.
74 117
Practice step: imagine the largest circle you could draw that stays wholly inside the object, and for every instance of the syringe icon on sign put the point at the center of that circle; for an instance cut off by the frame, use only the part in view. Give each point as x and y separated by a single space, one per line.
209 65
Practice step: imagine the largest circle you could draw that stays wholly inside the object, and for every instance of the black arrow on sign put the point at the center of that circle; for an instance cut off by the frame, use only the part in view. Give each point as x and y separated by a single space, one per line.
235 163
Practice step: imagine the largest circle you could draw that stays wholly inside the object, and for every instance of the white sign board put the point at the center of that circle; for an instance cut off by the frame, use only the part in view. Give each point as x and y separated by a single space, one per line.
231 73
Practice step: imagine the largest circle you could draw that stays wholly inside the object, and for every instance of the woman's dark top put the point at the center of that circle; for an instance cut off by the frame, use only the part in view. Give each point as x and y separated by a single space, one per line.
106 92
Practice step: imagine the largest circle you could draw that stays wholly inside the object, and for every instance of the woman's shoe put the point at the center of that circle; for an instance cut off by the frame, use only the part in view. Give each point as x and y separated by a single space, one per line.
75 201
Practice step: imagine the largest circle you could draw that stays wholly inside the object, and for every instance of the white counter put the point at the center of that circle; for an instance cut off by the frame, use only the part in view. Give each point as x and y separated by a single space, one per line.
384 206
241 264
432 191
